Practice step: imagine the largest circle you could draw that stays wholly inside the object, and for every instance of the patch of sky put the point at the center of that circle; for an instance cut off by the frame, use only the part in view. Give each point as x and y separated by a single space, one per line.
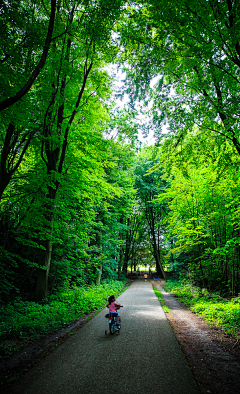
122 100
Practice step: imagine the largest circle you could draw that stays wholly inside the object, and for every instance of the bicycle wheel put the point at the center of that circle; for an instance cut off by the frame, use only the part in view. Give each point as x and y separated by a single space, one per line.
119 327
111 328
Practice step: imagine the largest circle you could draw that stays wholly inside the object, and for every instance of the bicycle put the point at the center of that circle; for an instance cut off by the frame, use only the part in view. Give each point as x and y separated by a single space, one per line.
112 321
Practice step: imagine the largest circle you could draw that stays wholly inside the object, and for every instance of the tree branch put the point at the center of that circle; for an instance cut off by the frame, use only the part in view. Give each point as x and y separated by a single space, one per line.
12 100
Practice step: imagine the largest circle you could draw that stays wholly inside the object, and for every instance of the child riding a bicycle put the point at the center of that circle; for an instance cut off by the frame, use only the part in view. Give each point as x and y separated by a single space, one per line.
112 305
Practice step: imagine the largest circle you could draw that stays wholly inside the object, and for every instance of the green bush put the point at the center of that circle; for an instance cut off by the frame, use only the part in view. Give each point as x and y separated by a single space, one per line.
225 314
159 296
24 319
214 309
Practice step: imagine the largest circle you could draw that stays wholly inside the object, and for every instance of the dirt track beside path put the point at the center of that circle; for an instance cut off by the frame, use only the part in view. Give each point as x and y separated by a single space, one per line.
213 357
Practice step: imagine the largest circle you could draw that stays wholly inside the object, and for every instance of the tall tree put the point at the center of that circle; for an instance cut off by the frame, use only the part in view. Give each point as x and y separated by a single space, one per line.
149 186
202 197
59 101
192 49
86 41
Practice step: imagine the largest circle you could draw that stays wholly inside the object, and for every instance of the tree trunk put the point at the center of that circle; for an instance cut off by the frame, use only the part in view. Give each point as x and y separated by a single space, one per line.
159 267
45 254
155 244
120 262
53 155
156 253
125 266
127 250
41 292
119 268
98 280
13 150
237 269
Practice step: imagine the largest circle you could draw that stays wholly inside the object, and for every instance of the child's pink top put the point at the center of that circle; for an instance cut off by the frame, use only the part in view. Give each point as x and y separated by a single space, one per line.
112 306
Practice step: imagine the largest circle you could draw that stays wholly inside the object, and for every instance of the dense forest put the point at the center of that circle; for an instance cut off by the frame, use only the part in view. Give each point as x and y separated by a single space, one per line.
82 199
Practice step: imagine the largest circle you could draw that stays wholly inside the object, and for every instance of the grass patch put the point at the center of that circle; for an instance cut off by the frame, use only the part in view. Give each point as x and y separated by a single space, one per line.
22 322
159 296
214 309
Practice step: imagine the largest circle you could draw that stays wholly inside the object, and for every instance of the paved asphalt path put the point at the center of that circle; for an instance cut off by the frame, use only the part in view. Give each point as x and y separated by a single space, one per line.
144 358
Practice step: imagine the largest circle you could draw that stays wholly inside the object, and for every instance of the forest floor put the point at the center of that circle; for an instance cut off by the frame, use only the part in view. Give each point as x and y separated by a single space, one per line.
213 357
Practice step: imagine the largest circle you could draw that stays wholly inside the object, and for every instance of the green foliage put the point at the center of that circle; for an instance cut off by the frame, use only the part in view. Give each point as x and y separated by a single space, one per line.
223 314
184 290
54 154
185 58
150 185
180 70
75 198
23 320
203 198
159 296
214 309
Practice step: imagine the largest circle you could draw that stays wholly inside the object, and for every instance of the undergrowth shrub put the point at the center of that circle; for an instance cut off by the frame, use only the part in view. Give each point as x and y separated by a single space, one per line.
214 309
24 319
